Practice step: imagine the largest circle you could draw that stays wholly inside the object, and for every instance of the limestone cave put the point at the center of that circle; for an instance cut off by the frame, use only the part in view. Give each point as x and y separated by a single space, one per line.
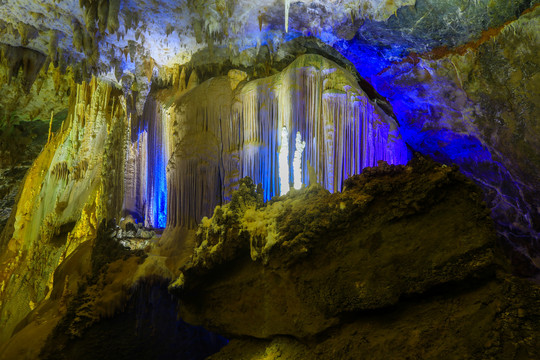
269 179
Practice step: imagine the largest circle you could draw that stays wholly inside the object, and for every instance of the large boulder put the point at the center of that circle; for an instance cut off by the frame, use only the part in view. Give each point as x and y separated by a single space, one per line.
300 264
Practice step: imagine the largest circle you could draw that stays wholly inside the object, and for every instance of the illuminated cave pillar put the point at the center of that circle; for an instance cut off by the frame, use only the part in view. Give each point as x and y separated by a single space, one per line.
158 155
145 174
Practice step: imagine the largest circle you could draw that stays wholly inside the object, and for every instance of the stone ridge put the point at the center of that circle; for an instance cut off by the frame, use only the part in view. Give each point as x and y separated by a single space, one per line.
298 264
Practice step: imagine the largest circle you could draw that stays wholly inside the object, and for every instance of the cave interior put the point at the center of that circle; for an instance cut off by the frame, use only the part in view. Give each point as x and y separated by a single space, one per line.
270 179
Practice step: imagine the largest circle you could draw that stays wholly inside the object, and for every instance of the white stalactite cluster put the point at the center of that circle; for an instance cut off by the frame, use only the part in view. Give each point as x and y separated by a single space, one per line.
284 166
218 135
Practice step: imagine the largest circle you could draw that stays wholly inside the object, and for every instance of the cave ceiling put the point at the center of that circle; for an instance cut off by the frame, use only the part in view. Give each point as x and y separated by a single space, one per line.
119 36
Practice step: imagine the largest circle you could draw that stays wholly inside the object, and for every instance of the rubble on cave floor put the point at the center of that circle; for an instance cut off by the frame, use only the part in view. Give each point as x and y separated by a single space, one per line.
133 235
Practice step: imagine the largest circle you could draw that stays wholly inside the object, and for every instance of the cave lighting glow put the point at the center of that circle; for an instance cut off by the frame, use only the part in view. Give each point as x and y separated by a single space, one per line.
297 162
283 162
160 191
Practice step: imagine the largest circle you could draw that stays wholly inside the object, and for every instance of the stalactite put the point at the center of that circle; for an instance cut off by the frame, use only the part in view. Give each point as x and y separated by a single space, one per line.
287 7
53 45
77 29
90 15
28 62
112 21
79 170
217 135
297 162
60 171
146 161
156 210
102 15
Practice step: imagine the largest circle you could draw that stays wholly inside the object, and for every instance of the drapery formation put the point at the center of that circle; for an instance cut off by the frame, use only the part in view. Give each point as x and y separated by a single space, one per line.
220 133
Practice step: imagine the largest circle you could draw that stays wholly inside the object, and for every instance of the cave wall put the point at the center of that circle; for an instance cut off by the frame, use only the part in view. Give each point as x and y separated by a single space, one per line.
72 185
193 143
34 98
145 196
31 85
476 105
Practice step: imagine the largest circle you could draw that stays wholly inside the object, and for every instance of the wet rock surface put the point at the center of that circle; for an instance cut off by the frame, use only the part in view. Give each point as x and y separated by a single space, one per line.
403 259
11 179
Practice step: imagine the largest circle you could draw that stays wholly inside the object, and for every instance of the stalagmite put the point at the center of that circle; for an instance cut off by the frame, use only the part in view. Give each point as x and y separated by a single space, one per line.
50 127
297 162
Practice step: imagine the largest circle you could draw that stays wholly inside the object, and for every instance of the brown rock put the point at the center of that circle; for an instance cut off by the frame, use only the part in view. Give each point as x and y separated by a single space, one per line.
394 232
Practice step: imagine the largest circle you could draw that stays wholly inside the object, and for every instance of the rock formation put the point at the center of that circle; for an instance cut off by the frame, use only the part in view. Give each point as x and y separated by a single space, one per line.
56 210
402 259
178 174
222 130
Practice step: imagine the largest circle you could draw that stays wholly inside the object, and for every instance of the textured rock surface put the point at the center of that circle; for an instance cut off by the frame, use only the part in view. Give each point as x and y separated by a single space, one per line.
31 87
465 108
477 106
300 264
117 36
403 263
31 92
105 294
69 188
113 37
20 144
497 319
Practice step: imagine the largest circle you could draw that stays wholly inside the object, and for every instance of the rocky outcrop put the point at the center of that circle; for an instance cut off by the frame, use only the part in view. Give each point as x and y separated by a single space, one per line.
301 263
496 319
404 262
105 294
